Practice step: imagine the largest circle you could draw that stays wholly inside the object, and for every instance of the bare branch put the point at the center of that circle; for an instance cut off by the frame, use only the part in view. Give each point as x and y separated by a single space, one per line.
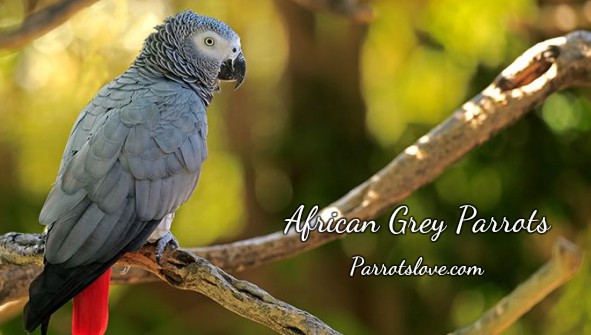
556 18
183 270
565 262
179 268
11 309
42 22
543 69
357 10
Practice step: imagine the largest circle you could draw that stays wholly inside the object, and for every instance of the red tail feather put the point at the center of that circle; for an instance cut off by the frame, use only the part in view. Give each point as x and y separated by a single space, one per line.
91 307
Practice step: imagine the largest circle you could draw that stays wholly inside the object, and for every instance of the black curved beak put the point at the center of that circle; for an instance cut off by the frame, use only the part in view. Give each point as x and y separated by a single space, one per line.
234 70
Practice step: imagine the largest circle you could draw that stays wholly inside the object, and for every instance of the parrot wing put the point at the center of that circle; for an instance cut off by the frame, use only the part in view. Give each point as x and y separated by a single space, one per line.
133 156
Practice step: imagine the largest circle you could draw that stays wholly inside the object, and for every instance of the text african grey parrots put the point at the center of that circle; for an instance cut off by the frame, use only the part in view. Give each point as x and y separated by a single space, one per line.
133 157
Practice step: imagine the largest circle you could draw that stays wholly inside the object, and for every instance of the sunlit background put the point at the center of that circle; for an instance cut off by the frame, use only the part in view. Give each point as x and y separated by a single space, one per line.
327 102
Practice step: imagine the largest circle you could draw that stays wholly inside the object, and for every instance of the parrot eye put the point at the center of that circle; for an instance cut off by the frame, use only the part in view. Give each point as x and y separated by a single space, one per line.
209 41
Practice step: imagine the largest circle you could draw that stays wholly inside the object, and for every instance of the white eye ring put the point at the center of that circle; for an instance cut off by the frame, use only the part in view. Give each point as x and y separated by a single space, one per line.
209 41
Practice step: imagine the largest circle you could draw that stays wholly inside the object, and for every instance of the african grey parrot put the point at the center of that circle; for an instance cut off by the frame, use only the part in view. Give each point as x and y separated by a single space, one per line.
133 157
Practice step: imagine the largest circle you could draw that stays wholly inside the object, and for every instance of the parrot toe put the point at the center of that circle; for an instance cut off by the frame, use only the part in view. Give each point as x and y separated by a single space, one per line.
167 239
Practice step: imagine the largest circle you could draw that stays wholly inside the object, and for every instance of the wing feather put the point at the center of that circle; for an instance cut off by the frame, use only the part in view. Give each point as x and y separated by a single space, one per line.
142 197
133 156
59 203
113 200
137 141
166 198
154 198
72 234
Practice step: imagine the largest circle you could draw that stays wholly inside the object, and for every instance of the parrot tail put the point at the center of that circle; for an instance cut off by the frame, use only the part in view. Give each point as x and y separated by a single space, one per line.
57 284
90 314
54 287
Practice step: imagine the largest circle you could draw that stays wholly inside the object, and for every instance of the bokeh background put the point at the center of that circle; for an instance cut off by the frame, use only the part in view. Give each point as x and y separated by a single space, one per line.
327 102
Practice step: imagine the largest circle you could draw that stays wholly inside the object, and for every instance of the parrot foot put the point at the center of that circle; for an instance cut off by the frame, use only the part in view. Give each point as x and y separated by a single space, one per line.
164 241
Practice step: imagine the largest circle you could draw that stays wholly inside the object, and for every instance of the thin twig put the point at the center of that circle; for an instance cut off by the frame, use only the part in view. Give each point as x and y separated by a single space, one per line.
41 23
565 262
47 19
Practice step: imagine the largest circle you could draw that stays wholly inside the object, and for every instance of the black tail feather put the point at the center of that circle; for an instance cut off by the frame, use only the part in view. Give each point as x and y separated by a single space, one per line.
44 326
56 285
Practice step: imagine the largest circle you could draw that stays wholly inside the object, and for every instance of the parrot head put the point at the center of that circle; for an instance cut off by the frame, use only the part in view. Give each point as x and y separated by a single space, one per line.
195 48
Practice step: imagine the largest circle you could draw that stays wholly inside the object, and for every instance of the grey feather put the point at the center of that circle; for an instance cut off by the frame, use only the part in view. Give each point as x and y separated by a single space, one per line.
59 202
113 129
169 138
104 148
166 197
190 151
132 116
117 236
96 166
102 189
114 199
87 253
93 170
176 182
158 169
74 232
127 80
136 165
155 128
75 177
173 164
142 198
154 202
137 141
133 157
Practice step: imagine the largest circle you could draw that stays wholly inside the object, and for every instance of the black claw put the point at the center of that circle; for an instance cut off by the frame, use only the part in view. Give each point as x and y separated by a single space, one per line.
163 242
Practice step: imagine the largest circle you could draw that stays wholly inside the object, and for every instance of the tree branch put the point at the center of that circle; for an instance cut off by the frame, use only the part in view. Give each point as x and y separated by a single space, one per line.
565 262
47 19
185 271
42 22
21 256
543 69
